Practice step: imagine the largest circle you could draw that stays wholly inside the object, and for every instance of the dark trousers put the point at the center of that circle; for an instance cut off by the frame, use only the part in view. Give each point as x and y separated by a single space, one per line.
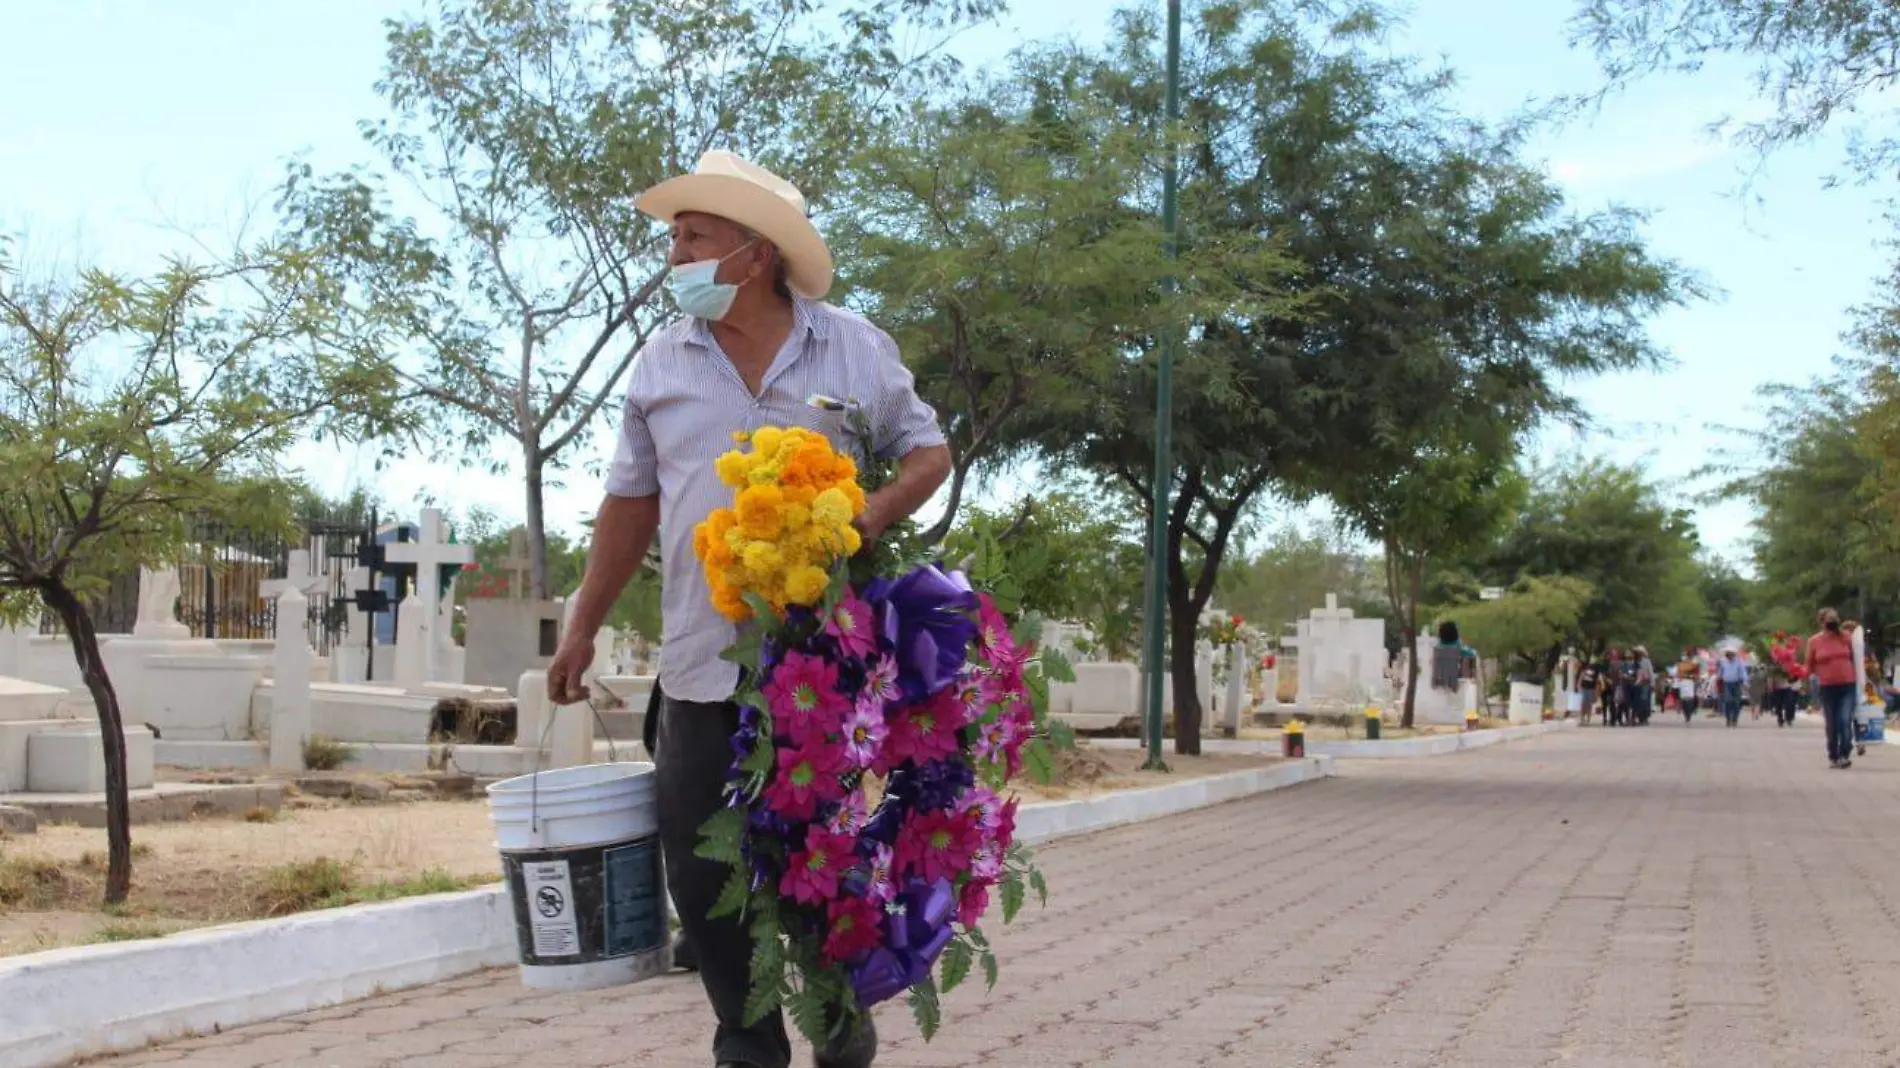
1732 705
694 754
1838 706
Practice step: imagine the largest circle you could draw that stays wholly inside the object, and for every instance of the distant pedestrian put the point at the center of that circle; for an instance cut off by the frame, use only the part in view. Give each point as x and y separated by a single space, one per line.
1830 661
1643 696
1731 682
1587 690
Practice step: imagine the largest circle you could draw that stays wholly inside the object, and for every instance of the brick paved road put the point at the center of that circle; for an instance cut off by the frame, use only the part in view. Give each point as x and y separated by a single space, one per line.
1602 898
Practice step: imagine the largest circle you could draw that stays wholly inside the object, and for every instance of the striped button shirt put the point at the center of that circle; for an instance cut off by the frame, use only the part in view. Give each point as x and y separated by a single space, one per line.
685 400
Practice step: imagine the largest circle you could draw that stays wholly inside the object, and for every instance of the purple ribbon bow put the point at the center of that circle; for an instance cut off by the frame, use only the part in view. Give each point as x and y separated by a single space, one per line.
914 936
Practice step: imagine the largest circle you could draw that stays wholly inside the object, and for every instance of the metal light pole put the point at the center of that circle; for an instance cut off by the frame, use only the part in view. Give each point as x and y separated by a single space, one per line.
1164 417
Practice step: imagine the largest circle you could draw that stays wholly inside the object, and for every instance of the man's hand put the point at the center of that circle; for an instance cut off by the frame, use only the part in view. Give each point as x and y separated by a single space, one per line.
564 674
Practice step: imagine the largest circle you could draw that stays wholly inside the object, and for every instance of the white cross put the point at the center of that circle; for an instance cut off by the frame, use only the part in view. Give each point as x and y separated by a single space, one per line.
298 575
429 552
518 566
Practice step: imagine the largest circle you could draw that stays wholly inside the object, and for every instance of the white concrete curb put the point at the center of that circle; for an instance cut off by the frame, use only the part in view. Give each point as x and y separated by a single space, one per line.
67 1003
1437 744
1430 745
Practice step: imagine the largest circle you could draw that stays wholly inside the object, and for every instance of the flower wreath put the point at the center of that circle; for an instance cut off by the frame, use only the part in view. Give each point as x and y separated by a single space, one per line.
881 721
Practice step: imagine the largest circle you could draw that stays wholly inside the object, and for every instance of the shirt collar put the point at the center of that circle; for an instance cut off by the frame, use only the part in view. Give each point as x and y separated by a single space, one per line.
807 318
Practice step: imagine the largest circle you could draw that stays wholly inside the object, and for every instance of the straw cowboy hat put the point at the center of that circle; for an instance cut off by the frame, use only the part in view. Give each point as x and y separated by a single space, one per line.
755 198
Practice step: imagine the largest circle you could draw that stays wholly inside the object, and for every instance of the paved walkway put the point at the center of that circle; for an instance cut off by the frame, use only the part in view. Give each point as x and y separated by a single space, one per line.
1630 898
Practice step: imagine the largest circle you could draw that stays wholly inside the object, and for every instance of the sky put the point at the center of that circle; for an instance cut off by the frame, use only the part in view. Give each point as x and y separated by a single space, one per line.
133 124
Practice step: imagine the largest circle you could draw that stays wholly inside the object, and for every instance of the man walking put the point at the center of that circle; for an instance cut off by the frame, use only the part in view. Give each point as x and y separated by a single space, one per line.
1732 685
749 272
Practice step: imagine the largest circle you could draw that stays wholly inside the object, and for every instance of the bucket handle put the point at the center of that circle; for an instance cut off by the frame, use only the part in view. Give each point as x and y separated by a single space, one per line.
534 778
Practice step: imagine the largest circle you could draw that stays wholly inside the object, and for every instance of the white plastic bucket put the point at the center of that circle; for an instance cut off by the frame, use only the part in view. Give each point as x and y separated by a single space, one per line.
580 850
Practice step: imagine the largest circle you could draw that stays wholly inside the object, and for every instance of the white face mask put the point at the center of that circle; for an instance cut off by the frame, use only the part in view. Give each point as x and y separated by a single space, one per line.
697 291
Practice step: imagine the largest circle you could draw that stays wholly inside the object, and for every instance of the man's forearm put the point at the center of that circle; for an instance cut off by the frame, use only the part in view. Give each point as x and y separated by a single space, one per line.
919 474
622 532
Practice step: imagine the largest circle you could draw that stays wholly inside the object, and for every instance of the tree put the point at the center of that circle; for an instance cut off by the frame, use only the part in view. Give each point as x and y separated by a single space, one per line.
1069 561
1292 573
1451 501
1435 277
1814 61
525 130
1725 593
997 245
125 404
1610 527
1824 533
1528 625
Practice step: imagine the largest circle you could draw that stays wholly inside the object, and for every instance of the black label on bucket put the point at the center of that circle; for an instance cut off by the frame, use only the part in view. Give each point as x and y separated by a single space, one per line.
577 906
636 914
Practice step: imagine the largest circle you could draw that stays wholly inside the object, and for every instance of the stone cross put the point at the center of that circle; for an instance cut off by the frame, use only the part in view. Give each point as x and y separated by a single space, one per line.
414 648
298 575
518 565
1237 665
429 552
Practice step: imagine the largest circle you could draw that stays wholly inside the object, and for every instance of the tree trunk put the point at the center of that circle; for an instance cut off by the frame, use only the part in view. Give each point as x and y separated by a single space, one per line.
959 478
1183 621
536 523
92 667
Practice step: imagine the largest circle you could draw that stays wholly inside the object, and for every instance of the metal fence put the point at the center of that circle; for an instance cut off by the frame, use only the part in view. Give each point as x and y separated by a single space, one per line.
221 576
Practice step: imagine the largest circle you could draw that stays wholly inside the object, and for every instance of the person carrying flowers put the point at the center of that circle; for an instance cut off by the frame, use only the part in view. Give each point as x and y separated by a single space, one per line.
755 341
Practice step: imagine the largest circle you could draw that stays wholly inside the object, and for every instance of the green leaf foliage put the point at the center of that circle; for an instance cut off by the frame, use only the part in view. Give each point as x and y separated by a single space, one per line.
720 836
926 1007
958 958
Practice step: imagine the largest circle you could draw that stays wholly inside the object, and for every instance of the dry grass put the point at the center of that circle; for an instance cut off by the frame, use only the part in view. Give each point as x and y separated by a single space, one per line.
220 871
325 754
1087 771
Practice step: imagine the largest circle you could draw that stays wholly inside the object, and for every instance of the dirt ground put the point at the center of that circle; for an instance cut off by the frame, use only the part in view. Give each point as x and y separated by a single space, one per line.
318 852
1086 771
222 870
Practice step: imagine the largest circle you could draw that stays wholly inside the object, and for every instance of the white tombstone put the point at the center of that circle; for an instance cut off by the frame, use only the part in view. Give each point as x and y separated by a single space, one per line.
1237 665
1341 658
299 575
158 600
451 664
603 663
531 708
290 687
350 658
413 647
428 552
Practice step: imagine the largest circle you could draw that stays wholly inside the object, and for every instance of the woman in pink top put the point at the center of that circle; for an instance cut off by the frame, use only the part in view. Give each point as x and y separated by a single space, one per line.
1830 660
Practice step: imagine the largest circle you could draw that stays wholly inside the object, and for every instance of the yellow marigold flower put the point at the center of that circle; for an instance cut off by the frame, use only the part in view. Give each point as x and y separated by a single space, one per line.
766 440
805 585
855 494
796 516
759 512
730 603
831 508
853 541
763 559
733 468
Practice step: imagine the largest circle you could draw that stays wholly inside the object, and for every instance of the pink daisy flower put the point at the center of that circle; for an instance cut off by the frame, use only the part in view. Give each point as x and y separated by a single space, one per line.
993 634
880 680
853 813
880 875
972 903
857 927
935 845
1006 823
984 807
986 861
811 876
803 698
864 731
807 775
997 739
853 627
922 732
